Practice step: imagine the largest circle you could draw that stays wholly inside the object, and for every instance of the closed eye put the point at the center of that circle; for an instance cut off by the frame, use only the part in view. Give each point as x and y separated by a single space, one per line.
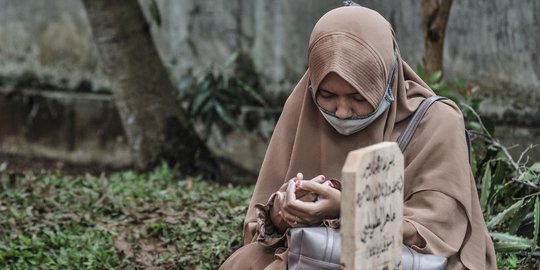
325 94
358 97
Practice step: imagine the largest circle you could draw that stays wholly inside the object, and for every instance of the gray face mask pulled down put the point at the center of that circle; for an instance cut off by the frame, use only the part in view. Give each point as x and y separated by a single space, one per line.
352 125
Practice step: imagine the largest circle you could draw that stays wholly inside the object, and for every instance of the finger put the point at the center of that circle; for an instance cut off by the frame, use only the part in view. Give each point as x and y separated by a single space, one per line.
301 209
284 186
278 200
321 189
298 183
311 216
292 212
296 179
294 220
291 204
288 214
319 179
288 217
297 207
290 192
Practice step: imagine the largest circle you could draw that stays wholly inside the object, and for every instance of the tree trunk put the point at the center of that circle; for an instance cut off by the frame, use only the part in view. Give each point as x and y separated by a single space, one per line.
156 126
435 15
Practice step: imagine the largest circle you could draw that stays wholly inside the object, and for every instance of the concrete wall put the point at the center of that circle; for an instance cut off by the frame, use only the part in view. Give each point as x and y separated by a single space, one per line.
198 34
491 43
70 127
50 39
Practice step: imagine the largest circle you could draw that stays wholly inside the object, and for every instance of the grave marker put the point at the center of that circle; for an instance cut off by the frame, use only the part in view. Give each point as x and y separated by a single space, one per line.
372 208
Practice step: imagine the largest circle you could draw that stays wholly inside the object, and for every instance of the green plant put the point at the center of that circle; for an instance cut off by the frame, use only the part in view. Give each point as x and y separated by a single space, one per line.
217 98
127 220
509 189
510 261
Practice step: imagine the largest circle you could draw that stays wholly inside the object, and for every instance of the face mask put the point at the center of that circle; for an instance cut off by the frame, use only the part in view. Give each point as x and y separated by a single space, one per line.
354 124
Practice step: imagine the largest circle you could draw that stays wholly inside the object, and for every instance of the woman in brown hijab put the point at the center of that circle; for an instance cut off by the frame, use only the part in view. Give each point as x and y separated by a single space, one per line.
357 92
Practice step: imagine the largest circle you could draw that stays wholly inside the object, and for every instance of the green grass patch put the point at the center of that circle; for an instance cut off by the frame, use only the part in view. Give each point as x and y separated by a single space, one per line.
125 220
128 221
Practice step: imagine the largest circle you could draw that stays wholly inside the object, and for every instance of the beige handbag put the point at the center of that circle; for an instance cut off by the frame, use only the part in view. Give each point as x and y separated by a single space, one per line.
320 247
314 248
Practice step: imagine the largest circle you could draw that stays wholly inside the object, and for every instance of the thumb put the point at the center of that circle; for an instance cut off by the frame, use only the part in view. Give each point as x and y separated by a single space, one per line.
313 186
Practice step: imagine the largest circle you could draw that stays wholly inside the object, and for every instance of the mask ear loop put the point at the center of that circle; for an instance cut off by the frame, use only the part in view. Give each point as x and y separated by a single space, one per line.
314 98
389 83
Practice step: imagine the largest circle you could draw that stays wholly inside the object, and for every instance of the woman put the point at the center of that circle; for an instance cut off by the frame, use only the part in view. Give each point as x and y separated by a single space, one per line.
357 92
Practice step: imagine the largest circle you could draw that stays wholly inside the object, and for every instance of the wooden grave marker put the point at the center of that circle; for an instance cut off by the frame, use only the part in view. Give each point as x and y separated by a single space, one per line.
372 208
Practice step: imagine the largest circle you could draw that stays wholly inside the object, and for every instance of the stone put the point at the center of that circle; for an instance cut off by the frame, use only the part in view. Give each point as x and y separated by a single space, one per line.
372 208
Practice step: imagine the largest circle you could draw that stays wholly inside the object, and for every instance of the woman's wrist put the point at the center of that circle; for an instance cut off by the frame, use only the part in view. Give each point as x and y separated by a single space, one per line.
275 216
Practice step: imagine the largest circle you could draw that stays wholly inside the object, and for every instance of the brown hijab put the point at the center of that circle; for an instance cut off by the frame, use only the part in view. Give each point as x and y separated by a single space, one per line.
359 45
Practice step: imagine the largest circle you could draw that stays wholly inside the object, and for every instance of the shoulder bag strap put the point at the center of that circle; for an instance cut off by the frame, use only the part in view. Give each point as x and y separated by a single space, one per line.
407 134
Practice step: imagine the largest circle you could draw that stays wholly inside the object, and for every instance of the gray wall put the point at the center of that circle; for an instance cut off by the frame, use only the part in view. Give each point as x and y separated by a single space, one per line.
197 34
492 43
50 39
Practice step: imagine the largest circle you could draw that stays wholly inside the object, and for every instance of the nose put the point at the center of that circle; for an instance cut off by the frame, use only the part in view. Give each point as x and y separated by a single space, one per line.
343 110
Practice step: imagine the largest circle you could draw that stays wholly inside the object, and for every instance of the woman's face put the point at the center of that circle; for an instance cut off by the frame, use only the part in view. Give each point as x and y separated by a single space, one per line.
336 95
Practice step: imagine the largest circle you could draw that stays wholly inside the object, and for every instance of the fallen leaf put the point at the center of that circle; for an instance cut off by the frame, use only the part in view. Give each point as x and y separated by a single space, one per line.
70 216
122 245
171 220
149 247
169 212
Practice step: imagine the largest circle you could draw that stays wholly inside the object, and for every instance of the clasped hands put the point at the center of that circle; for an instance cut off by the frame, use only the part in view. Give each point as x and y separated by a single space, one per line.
302 202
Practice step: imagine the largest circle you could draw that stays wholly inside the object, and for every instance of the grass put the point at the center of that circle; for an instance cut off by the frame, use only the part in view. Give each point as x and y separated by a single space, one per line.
126 220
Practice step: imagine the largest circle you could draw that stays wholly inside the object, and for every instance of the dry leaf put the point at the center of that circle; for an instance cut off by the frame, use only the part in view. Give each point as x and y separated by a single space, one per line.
122 245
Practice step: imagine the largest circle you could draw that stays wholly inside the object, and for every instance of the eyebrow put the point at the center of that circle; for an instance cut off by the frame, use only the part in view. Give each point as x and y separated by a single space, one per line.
327 90
348 94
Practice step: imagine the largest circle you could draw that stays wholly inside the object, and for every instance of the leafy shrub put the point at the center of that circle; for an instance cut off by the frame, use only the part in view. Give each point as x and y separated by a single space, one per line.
509 189
218 98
